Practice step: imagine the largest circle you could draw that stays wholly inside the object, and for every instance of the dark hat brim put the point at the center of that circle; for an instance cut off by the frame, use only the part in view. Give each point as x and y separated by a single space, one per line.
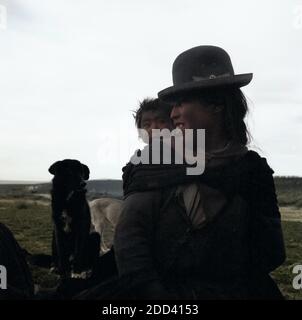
171 94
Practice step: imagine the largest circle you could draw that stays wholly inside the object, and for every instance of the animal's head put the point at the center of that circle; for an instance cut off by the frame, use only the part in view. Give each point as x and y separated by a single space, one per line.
70 174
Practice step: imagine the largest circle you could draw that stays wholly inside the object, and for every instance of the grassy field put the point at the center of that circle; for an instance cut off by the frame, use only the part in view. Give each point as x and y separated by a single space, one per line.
31 225
30 222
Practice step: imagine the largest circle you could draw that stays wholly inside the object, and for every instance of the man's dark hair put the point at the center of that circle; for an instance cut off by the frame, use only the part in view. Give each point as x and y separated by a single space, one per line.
154 105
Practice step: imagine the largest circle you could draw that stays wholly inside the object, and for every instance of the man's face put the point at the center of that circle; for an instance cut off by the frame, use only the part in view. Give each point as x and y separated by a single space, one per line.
155 120
192 114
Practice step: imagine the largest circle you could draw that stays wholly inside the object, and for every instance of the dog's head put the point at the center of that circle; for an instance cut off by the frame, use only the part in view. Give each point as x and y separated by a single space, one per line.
71 174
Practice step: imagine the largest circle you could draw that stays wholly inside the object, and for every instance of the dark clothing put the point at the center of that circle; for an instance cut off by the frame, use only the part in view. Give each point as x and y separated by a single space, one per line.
19 279
164 256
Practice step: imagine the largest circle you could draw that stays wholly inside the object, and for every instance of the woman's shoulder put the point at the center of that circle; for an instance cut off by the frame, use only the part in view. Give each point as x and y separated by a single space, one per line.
244 175
255 175
250 163
254 162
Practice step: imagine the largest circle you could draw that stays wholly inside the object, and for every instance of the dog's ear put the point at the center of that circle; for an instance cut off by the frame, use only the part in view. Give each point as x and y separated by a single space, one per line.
86 172
54 167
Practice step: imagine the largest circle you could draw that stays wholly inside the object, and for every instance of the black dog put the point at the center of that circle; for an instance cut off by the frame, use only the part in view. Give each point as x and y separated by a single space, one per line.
75 250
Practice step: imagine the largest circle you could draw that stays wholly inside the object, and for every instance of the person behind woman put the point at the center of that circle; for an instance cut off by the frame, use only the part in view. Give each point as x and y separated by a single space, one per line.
216 235
153 114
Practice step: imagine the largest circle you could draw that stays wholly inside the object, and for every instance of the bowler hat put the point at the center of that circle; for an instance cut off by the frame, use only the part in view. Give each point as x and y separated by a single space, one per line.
201 68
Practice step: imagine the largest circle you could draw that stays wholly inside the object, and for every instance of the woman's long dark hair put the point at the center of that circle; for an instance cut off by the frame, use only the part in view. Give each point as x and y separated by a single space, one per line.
234 111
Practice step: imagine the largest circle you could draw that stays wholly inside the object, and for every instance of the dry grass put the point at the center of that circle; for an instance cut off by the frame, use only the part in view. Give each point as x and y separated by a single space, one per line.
31 225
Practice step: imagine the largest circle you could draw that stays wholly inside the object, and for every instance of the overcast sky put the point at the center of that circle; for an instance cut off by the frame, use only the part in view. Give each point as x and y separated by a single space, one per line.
71 71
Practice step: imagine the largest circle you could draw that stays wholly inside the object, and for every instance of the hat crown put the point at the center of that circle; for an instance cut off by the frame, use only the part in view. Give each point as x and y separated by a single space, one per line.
202 68
201 63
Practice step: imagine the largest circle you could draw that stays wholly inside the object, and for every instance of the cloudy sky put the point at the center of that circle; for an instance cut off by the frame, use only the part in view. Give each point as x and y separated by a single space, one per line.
71 71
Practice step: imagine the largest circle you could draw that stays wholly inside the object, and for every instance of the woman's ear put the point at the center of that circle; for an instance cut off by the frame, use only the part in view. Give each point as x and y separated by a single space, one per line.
86 172
54 167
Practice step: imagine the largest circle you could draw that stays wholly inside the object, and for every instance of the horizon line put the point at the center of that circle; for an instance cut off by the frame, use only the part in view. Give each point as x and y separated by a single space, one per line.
44 181
97 179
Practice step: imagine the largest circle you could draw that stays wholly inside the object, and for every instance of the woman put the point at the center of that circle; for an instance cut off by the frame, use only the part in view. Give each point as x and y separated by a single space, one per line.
216 235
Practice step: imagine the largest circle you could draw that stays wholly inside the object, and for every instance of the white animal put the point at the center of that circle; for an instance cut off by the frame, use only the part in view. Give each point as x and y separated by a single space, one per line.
105 213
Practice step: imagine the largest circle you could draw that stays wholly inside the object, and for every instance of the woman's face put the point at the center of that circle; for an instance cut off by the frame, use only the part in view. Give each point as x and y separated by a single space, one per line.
194 115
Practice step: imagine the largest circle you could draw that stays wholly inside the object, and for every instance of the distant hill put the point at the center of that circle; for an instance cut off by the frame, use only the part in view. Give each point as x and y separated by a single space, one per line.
288 189
97 187
113 187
